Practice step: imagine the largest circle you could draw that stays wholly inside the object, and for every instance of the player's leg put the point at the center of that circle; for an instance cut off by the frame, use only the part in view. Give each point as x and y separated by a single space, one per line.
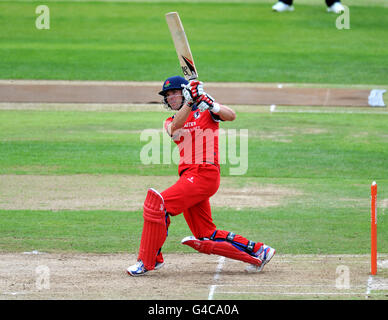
155 230
329 3
236 240
335 6
188 190
256 249
289 2
199 219
220 242
159 263
283 5
193 186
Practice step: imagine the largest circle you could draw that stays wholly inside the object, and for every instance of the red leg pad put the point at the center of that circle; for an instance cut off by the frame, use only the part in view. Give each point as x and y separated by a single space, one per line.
154 229
222 234
223 248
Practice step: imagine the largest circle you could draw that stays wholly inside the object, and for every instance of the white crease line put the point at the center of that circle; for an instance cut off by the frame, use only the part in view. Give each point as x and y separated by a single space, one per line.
331 112
221 262
291 293
375 283
13 293
369 287
287 285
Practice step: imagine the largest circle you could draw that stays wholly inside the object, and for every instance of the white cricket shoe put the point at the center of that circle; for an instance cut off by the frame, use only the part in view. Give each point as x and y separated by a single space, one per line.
336 7
138 268
281 7
265 254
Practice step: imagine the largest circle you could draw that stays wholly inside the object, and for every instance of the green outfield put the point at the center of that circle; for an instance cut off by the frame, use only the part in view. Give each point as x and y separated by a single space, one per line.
232 41
72 180
302 145
327 159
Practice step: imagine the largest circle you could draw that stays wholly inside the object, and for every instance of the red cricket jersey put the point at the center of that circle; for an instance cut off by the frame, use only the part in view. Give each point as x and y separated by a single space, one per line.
198 139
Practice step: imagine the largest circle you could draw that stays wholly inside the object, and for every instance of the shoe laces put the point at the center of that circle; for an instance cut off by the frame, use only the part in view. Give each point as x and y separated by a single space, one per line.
140 265
262 253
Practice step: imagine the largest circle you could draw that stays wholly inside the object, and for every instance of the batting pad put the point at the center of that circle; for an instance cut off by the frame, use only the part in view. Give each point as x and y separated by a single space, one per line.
154 229
238 241
222 248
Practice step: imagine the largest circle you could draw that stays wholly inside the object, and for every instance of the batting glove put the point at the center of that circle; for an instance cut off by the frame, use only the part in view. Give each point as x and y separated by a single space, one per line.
192 91
206 102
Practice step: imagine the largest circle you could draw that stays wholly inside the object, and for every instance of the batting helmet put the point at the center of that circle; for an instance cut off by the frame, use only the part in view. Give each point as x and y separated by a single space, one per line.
171 84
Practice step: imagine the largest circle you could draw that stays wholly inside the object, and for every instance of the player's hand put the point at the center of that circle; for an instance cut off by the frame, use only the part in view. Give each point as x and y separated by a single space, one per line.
192 91
205 102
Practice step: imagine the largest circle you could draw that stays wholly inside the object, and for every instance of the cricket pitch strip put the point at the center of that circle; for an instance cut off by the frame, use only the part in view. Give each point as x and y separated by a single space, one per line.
70 276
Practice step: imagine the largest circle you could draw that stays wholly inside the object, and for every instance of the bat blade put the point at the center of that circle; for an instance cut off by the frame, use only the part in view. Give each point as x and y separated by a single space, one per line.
181 46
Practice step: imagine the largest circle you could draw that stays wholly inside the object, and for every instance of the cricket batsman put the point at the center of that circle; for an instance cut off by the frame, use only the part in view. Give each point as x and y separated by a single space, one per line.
194 128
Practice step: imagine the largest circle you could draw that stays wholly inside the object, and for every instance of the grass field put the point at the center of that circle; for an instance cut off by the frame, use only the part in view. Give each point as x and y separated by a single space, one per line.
71 179
233 41
329 159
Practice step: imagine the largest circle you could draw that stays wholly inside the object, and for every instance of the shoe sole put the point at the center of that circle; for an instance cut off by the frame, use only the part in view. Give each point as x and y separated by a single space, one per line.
158 266
188 238
285 10
136 274
336 12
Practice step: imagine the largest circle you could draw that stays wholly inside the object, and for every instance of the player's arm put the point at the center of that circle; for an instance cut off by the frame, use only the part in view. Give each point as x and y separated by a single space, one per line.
225 113
207 102
191 93
179 120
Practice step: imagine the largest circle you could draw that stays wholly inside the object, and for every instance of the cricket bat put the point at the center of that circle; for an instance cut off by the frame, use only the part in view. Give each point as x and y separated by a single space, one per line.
182 46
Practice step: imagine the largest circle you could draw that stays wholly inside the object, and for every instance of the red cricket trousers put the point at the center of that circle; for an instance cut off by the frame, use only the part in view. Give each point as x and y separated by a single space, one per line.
190 195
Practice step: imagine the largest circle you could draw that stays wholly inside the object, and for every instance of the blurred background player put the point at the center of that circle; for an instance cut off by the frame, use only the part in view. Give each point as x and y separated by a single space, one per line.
286 5
194 128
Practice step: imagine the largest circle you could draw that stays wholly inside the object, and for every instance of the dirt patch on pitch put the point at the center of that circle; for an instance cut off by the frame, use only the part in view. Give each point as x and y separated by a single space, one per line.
124 193
251 193
185 276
